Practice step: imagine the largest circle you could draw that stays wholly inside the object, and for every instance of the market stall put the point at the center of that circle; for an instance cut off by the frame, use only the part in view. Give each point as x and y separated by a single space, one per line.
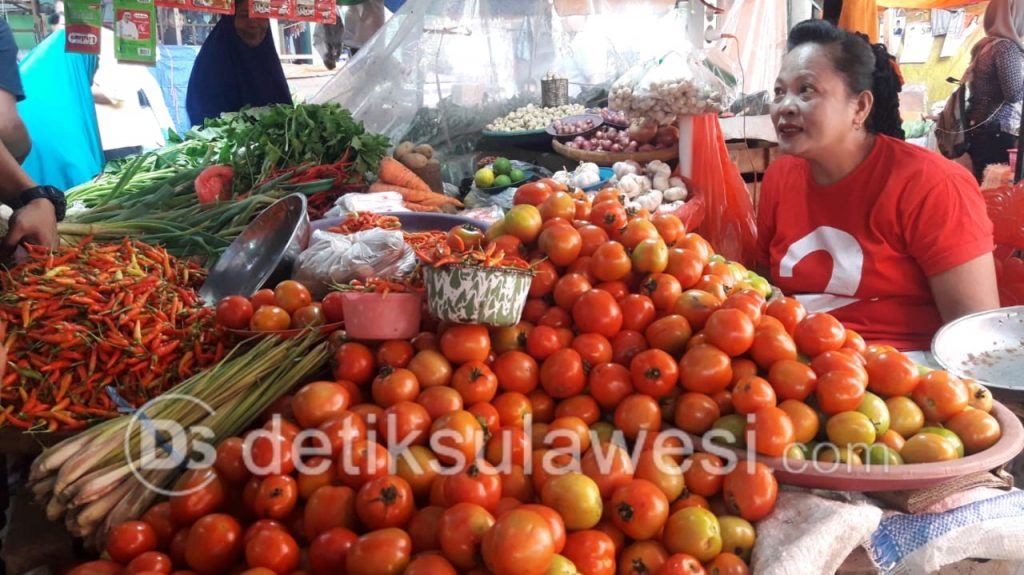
309 339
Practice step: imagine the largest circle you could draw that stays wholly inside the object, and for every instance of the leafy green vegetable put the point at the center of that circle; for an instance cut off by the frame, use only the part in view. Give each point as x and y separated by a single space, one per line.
261 141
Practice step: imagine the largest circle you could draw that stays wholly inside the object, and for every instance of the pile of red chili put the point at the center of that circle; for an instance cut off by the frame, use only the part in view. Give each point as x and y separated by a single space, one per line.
95 315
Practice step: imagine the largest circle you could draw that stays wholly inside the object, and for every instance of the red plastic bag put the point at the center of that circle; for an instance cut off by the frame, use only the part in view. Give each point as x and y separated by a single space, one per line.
728 222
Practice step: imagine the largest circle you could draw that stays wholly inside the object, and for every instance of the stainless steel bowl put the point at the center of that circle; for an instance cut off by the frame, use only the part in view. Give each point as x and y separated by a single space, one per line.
263 254
986 346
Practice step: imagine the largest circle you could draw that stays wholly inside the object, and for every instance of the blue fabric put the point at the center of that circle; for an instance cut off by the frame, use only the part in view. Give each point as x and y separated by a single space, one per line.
10 80
228 75
394 5
900 535
172 71
60 114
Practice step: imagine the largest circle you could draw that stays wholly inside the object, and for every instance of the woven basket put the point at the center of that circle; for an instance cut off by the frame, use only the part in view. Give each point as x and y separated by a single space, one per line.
609 158
470 294
554 92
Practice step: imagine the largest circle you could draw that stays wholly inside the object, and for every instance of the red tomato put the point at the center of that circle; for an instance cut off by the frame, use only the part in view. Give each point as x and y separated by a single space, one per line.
462 343
386 501
461 531
639 509
839 391
663 289
562 244
596 311
610 262
262 297
214 544
292 295
395 353
610 383
201 492
151 562
697 306
562 375
627 344
792 379
730 330
319 401
273 549
638 412
891 374
669 333
750 493
609 216
354 362
478 483
654 373
569 288
311 315
276 497
327 553
383 552
651 256
159 518
129 540
787 310
818 333
591 551
592 237
638 312
533 193
234 312
328 508
752 393
520 542
770 431
270 318
333 308
705 369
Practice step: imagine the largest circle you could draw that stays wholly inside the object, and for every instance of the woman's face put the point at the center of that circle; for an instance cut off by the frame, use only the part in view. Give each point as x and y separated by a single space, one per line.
252 31
813 111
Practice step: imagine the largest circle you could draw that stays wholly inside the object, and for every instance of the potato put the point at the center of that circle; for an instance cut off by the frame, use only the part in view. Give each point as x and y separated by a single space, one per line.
425 150
403 149
434 162
414 160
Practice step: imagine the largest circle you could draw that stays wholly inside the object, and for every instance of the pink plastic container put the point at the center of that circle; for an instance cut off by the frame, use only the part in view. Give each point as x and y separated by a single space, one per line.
382 317
1013 156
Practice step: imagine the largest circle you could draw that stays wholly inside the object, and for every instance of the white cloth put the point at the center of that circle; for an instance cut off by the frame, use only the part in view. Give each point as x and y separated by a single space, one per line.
126 123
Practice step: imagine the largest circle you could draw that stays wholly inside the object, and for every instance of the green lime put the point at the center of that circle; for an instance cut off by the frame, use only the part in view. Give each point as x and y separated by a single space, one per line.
882 454
502 181
948 435
729 430
484 178
502 167
517 175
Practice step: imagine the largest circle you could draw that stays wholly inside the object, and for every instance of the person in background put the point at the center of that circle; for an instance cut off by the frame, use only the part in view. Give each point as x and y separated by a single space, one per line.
329 40
130 105
891 239
60 117
237 66
996 86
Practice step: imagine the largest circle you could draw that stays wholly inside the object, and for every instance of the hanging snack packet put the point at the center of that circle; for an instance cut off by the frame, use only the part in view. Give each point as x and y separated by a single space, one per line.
134 37
82 31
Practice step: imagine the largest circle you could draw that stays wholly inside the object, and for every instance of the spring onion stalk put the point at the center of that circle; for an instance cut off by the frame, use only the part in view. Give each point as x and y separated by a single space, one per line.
89 479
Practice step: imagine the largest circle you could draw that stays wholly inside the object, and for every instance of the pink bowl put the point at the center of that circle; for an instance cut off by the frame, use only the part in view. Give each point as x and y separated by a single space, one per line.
382 316
844 477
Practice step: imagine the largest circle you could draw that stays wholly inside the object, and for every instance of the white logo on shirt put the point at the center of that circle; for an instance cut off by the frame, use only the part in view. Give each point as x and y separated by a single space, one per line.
847 267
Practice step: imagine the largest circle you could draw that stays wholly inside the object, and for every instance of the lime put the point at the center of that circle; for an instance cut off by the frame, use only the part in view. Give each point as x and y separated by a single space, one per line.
516 175
502 167
502 180
484 178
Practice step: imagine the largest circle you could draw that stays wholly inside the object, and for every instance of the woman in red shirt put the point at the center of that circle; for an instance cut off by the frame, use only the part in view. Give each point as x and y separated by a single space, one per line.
890 238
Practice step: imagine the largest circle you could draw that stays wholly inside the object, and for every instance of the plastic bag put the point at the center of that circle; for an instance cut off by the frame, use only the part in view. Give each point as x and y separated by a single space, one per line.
377 202
729 222
339 258
677 84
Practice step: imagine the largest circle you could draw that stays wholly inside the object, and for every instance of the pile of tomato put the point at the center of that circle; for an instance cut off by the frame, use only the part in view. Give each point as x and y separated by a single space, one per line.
634 330
288 306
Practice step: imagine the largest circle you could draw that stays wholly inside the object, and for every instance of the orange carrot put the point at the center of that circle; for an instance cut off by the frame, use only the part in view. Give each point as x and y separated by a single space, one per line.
442 201
394 172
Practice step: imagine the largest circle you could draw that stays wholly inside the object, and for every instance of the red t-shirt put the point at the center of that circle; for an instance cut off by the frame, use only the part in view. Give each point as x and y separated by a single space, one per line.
863 248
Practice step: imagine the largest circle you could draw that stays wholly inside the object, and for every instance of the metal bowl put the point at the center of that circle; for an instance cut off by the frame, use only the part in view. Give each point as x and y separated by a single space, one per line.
263 253
986 346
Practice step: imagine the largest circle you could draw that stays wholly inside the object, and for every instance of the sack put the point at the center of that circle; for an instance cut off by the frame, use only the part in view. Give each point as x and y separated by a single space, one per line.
951 126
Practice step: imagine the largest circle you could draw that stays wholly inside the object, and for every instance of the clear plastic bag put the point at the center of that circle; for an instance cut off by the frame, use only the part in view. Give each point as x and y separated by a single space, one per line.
338 258
377 202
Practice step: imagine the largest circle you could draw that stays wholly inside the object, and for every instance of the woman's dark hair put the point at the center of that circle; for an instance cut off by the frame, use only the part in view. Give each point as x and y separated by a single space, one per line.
862 65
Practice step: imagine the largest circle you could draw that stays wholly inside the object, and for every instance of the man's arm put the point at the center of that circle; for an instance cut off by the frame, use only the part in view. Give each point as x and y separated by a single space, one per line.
13 133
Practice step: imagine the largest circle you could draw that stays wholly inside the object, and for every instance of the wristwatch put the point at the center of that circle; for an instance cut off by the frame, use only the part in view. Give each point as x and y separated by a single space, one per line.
54 195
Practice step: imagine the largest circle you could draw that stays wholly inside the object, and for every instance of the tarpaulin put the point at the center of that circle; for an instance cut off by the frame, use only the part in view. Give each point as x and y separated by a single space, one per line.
172 70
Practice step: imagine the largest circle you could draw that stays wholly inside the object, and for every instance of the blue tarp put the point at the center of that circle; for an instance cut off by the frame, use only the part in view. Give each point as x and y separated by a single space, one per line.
172 72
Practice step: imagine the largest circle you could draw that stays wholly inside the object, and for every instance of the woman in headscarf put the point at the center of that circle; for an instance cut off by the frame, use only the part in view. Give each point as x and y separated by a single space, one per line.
237 66
996 85
60 115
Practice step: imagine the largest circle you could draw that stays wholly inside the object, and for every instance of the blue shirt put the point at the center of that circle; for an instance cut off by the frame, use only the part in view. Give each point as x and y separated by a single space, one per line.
10 79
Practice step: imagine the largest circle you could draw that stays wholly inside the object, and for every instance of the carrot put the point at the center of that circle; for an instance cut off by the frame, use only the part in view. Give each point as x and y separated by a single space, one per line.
394 172
420 207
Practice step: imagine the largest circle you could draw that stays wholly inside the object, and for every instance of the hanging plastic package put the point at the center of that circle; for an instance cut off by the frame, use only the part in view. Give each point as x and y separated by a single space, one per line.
134 31
84 19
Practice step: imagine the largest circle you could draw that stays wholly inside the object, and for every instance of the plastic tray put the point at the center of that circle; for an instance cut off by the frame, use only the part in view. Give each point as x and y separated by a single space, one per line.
606 175
864 478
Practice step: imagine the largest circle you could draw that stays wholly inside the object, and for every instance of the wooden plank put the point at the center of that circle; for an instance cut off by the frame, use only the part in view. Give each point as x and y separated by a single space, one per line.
748 160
